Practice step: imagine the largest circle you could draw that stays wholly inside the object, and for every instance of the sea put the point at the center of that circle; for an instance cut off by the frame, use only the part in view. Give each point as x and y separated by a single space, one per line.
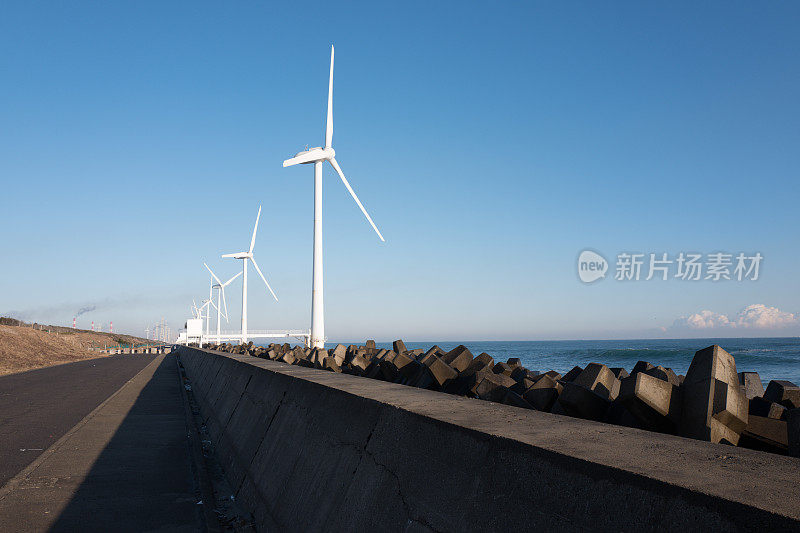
772 358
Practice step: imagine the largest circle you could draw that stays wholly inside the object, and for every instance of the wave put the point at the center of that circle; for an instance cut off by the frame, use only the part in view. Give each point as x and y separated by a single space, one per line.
649 352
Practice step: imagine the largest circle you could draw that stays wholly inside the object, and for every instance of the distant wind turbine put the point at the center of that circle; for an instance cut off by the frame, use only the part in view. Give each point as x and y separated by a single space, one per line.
318 156
245 257
220 293
206 306
196 310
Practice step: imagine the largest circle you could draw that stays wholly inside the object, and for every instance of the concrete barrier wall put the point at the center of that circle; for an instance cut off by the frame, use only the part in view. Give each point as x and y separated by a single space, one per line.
309 450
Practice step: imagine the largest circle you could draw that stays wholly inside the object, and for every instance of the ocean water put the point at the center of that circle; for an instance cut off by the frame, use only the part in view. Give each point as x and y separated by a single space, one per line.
772 358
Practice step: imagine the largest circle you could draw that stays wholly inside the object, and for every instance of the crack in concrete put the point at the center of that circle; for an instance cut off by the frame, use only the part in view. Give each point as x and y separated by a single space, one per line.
228 421
263 437
364 452
205 419
406 505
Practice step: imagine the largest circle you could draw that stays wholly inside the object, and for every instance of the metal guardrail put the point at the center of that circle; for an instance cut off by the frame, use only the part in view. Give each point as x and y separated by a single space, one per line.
303 335
251 333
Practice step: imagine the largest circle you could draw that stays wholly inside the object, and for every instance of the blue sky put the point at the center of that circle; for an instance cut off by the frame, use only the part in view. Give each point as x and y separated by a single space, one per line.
491 145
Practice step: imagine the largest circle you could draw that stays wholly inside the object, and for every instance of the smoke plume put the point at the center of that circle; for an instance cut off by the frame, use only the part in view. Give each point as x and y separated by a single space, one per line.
84 310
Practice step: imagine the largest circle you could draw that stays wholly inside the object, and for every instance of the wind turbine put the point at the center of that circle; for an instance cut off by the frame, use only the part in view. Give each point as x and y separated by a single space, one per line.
245 257
196 310
198 313
220 293
318 156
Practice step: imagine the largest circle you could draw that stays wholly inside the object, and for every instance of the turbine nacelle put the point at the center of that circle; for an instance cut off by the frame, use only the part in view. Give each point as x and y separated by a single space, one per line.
239 255
312 155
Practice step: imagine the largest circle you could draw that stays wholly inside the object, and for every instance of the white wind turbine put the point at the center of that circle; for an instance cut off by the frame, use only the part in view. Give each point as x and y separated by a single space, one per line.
220 294
207 305
245 257
318 156
196 310
198 313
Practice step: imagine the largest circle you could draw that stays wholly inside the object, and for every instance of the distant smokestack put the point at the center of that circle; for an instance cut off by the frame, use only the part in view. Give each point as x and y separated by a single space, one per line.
92 325
73 322
111 327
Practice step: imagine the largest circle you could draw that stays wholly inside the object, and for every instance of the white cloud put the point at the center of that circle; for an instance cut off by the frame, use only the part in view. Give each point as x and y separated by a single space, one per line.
756 316
703 320
763 317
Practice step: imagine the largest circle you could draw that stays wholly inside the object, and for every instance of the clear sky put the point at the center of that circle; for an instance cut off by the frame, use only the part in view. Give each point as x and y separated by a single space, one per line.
491 145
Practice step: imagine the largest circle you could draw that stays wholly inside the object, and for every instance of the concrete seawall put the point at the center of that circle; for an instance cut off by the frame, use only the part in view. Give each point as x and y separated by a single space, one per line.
307 450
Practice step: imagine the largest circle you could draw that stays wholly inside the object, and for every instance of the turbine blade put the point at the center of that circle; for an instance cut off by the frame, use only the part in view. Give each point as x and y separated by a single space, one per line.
265 279
255 229
230 280
212 274
225 305
307 157
229 255
353 194
329 122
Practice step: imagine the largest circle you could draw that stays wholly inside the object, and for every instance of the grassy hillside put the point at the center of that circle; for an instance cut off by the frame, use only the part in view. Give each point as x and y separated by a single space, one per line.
26 347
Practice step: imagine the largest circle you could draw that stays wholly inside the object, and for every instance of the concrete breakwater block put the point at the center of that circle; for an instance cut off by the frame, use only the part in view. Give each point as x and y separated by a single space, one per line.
515 400
440 372
599 379
398 346
339 353
358 364
655 402
572 374
329 363
581 402
785 393
714 407
664 374
459 358
493 387
590 393
767 409
712 402
620 373
751 384
543 393
503 368
470 377
767 431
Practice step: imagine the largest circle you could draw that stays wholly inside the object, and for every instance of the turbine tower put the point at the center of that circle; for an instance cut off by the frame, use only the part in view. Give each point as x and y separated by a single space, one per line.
220 293
245 257
318 156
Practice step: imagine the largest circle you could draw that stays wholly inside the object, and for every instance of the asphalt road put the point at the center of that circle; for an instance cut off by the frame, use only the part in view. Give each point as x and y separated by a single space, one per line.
38 407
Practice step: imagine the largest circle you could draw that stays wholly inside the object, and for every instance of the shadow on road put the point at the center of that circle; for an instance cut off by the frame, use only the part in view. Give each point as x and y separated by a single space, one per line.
39 406
143 479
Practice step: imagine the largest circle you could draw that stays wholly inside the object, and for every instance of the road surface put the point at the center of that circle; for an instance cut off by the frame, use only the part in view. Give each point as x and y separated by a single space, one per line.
37 407
127 465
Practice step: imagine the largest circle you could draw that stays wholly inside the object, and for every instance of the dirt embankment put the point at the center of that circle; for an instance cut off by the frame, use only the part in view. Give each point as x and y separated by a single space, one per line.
26 348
